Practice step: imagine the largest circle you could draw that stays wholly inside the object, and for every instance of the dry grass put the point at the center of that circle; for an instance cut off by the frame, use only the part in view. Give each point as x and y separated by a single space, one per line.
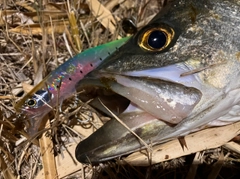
38 36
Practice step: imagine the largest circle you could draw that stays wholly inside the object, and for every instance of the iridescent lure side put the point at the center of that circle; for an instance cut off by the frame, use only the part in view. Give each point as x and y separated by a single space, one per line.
60 83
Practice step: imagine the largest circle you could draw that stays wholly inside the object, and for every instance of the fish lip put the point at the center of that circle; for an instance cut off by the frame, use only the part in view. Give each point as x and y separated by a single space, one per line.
105 144
96 154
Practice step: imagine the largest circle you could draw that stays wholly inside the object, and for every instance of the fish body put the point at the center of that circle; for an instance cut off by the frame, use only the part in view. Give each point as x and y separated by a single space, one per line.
180 73
60 83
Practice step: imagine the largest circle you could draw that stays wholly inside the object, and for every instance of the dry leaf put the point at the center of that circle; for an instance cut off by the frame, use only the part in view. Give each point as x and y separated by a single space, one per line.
103 15
36 29
47 153
202 140
27 87
65 163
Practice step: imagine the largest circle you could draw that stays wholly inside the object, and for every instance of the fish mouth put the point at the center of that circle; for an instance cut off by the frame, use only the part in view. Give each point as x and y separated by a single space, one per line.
146 101
171 88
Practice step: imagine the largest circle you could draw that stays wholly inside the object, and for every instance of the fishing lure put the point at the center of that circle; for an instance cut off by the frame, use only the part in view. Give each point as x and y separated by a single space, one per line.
60 83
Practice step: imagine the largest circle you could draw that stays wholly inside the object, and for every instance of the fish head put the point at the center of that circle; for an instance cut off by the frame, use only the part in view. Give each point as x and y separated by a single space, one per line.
180 73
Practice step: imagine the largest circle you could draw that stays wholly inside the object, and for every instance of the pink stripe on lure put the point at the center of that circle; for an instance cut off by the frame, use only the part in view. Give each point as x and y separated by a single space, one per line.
60 84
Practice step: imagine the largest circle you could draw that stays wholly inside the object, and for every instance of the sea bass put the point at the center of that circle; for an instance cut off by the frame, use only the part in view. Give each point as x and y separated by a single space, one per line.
180 73
60 83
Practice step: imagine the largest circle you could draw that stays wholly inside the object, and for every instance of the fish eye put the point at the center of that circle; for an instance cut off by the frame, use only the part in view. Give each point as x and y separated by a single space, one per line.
156 39
31 102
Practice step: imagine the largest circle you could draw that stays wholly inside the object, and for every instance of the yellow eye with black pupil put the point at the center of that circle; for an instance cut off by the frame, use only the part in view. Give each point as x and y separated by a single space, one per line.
31 102
156 39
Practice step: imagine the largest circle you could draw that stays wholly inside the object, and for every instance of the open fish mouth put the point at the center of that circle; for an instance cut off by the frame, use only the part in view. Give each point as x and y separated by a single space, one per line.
168 98
176 75
146 101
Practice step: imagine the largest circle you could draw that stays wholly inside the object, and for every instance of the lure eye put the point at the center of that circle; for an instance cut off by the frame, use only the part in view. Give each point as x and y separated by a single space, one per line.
31 102
156 39
40 98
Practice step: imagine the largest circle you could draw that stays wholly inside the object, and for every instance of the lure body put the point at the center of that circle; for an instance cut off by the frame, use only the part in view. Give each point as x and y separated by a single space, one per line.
60 83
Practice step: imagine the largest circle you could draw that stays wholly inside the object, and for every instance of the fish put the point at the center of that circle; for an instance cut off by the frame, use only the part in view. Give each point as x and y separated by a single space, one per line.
60 83
180 74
